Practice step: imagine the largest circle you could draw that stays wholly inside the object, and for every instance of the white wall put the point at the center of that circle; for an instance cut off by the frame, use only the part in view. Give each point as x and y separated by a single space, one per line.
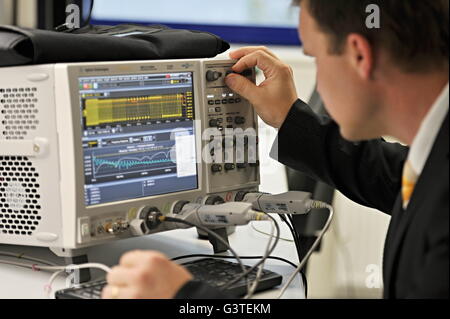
351 254
27 12
5 11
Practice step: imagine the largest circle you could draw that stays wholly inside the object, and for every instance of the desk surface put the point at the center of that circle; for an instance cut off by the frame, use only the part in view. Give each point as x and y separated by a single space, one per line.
21 283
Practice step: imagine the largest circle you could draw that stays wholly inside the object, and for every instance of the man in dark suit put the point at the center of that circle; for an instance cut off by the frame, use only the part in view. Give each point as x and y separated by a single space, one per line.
391 81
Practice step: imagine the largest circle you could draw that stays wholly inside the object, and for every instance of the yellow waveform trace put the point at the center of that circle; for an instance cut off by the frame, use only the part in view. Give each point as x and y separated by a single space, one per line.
105 111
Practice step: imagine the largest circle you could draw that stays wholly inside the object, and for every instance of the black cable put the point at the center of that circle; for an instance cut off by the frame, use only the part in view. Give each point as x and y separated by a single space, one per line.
296 238
296 242
89 17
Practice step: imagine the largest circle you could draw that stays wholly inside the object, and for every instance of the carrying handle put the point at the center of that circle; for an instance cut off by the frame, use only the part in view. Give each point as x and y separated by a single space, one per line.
32 148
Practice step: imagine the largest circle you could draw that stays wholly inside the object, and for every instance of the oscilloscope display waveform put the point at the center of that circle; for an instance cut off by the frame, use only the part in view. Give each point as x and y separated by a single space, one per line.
110 111
112 165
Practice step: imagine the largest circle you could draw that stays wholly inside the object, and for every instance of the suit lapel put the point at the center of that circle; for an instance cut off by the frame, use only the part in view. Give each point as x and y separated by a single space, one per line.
402 218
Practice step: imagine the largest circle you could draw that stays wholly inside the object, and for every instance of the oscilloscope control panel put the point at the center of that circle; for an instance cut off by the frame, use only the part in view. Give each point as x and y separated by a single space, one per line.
108 138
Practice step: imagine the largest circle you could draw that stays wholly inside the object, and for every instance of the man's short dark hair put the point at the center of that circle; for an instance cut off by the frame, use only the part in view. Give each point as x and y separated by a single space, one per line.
414 32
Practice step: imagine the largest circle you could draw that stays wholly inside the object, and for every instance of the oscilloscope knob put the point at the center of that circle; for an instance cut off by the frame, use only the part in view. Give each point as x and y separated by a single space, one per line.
212 76
150 215
178 206
214 200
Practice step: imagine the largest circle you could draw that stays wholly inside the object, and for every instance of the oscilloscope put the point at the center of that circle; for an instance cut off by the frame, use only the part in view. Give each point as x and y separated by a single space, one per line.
84 145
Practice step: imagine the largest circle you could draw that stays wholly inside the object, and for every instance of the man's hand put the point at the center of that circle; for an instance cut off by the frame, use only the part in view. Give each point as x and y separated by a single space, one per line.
145 275
274 97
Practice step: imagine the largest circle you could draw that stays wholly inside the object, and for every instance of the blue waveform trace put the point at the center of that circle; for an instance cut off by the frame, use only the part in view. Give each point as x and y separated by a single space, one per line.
127 163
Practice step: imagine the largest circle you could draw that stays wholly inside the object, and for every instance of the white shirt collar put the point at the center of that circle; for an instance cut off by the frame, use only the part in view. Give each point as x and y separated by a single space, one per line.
428 131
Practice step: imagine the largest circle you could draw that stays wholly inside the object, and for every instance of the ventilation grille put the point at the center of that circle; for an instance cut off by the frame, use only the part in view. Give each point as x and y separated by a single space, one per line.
18 112
19 196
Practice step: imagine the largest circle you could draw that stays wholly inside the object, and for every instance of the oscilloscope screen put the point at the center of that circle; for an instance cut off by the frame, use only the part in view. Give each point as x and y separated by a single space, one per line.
138 136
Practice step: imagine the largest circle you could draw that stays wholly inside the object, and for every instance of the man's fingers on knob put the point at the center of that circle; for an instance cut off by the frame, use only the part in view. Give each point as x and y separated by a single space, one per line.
241 85
258 58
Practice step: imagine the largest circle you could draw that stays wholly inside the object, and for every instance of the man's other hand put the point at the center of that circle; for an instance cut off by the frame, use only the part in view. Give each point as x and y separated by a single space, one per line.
274 97
145 275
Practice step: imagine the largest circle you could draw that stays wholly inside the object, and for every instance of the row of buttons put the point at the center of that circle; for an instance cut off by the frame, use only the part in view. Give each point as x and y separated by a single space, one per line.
217 168
225 101
239 120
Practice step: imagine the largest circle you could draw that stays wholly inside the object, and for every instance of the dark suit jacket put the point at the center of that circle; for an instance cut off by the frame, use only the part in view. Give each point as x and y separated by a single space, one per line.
416 254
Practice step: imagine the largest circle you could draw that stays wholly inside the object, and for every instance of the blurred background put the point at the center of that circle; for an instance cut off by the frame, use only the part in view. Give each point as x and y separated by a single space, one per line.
348 263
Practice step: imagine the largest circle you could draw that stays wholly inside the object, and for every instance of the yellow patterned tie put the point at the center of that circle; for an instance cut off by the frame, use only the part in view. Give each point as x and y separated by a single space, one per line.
408 183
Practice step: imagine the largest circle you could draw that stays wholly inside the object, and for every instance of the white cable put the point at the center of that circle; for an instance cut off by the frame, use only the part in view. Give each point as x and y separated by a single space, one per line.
267 234
64 268
57 270
261 267
48 286
313 204
25 257
17 264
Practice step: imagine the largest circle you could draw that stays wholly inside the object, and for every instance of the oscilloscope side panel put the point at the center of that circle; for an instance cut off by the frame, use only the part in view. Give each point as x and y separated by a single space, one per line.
31 214
76 214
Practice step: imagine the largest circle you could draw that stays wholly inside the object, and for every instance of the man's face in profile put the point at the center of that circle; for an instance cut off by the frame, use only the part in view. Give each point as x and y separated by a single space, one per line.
349 99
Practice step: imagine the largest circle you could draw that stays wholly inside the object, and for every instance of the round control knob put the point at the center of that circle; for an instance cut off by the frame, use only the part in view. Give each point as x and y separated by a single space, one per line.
178 206
240 196
229 167
216 168
213 123
212 76
150 216
239 120
214 200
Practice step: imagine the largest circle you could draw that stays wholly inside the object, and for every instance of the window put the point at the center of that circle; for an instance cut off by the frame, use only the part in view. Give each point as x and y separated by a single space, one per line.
236 21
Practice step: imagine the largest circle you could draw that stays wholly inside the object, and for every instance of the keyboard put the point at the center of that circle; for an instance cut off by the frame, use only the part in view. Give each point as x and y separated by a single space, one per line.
214 272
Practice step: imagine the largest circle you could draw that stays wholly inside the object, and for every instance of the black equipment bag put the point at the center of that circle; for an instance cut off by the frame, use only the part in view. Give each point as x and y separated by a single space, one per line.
21 46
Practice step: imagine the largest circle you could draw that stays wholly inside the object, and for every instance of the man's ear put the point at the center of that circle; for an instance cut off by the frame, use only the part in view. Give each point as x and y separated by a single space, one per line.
360 54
